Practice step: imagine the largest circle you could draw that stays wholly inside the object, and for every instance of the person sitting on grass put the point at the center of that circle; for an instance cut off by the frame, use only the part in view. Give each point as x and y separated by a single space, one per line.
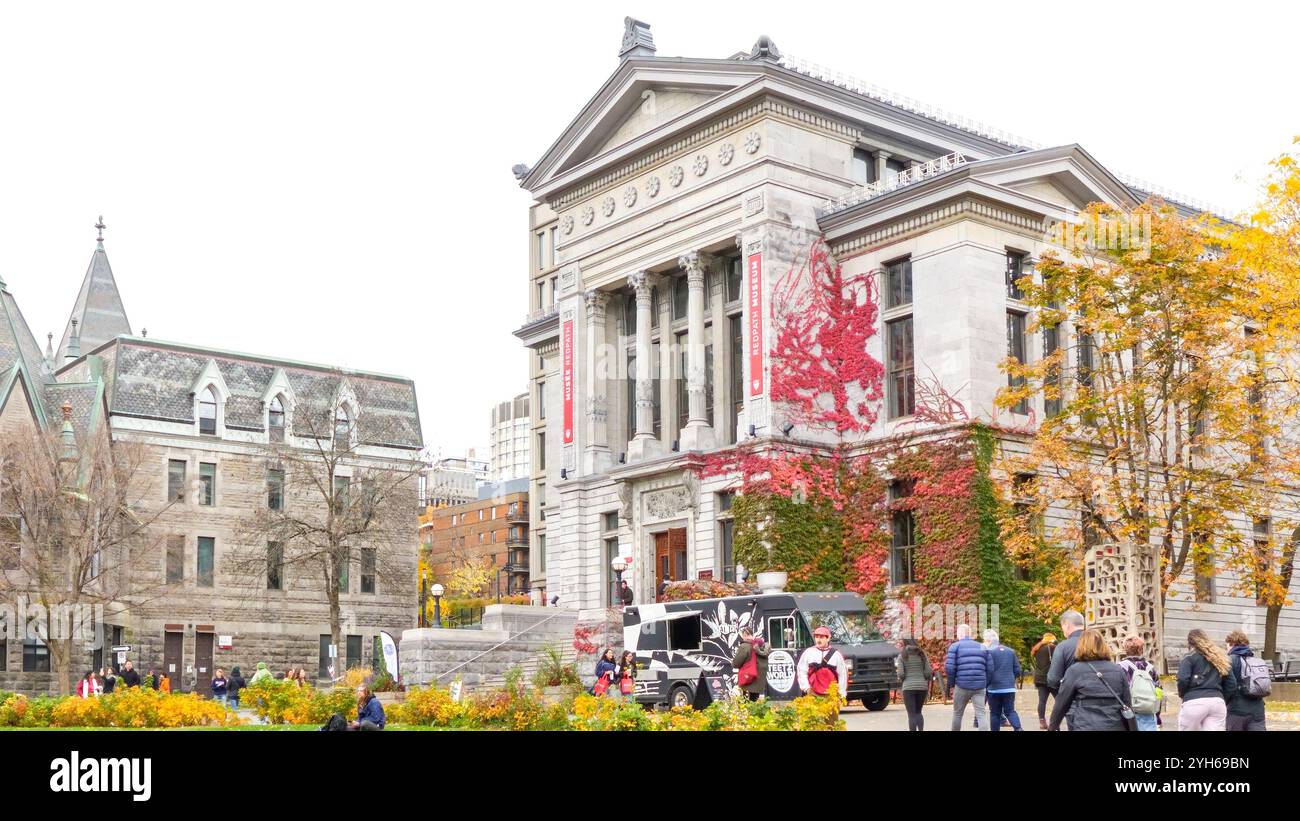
370 713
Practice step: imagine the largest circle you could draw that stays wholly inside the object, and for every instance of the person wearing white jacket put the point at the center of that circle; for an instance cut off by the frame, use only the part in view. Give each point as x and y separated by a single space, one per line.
818 663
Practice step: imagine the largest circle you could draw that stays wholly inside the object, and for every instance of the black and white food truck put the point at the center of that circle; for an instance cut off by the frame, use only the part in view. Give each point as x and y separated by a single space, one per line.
675 642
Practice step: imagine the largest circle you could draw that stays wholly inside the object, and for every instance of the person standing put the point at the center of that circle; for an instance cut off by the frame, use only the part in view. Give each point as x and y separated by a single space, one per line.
625 593
263 673
968 666
236 684
220 686
822 669
1205 684
1143 683
1094 691
1004 672
1245 711
109 679
130 677
914 672
1042 656
1063 656
625 675
86 687
750 663
606 668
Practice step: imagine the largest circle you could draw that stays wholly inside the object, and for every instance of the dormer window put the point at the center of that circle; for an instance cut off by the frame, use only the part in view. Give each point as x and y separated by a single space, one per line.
208 412
342 425
275 420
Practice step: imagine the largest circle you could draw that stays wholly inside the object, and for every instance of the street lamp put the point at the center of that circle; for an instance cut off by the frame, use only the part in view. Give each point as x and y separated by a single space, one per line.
618 566
437 604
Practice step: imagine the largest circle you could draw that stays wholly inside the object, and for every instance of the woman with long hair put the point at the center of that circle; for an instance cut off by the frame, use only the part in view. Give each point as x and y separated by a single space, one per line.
915 672
1095 686
605 670
626 675
1042 656
1206 684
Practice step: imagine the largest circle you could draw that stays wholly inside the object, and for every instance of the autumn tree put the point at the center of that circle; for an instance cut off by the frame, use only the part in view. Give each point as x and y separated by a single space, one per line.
72 539
1159 377
336 510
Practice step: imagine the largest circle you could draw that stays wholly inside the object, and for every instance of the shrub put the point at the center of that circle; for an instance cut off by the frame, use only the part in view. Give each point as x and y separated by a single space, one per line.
553 672
129 707
280 702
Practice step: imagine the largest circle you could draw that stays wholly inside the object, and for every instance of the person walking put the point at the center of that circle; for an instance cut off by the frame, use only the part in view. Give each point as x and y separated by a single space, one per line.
1094 691
1205 684
606 668
822 669
1004 672
220 686
1245 709
263 673
1042 656
968 666
750 664
1143 683
1071 625
109 679
625 675
237 683
130 677
914 672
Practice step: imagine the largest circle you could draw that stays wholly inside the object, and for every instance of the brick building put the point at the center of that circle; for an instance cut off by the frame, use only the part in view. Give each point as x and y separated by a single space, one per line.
495 528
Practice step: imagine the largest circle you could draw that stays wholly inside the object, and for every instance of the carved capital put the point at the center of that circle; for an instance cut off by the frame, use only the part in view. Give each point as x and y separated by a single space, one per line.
693 263
596 302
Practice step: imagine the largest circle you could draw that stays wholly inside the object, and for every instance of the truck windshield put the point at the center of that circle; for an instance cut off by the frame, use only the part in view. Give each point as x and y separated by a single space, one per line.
853 627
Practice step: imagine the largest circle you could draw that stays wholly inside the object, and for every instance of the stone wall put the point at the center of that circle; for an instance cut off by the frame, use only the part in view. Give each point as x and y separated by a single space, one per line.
512 635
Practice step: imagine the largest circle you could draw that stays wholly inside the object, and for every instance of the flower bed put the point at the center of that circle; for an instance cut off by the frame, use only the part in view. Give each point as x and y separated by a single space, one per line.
129 707
281 702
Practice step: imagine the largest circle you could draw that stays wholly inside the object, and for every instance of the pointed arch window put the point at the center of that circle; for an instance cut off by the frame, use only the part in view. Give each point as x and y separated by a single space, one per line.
342 426
275 419
208 412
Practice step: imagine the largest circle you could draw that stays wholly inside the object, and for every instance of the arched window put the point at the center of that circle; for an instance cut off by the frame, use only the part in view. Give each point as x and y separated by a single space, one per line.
342 426
208 412
275 420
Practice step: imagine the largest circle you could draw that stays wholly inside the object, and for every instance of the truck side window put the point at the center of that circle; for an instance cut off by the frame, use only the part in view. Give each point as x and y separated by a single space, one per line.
780 632
684 634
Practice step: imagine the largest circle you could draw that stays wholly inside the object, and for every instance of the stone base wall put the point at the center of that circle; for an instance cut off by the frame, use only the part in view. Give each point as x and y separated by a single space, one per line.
512 635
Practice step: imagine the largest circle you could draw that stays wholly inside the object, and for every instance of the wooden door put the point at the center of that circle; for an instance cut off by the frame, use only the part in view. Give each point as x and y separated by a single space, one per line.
203 663
172 667
670 558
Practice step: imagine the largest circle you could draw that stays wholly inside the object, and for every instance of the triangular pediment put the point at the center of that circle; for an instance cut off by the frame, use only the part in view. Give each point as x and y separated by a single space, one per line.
658 105
1066 177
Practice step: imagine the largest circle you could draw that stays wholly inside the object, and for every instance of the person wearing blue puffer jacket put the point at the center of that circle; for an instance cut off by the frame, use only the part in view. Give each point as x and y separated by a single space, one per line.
968 667
1003 675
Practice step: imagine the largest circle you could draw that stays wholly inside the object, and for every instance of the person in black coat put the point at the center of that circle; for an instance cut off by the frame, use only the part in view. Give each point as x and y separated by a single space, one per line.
1205 684
237 683
625 593
1094 691
1245 712
130 678
1042 656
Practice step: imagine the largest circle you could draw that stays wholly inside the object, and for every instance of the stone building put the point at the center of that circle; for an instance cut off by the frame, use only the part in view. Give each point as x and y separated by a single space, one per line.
208 422
664 216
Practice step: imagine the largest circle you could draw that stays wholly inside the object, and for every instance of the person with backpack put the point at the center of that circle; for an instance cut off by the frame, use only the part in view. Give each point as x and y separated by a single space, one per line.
1254 684
237 683
750 663
968 666
1205 684
1094 691
914 672
1004 672
1143 683
1042 656
822 668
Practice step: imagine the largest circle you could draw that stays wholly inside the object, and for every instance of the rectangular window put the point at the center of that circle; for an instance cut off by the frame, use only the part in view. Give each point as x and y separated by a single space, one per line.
1051 343
1015 270
683 411
541 553
893 168
555 242
354 651
737 378
345 564
555 290
1264 559
275 489
898 283
735 276
341 485
175 559
1085 365
36 656
727 535
1016 350
684 633
611 520
207 483
902 396
541 451
541 250
903 535
541 400
368 568
274 566
175 480
325 661
541 303
4 655
206 560
863 167
681 297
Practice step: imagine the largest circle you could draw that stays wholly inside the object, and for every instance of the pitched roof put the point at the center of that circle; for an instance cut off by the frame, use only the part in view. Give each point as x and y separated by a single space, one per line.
98 310
17 345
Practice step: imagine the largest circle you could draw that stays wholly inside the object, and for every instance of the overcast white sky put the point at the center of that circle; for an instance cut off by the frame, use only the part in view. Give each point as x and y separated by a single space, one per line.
331 182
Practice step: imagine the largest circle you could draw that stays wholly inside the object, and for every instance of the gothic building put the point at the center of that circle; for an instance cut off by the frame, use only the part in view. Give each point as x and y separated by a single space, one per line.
205 421
665 215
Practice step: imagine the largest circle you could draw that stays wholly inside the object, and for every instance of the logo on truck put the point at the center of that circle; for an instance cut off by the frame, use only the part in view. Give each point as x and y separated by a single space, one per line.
780 671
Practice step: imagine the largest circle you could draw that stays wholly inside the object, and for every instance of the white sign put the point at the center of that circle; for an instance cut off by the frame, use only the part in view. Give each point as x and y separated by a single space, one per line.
171 668
121 648
334 651
121 658
225 642
455 691
390 655
780 671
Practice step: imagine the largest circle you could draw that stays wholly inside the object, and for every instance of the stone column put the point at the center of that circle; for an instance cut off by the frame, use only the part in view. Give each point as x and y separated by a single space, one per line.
595 454
644 444
698 434
882 157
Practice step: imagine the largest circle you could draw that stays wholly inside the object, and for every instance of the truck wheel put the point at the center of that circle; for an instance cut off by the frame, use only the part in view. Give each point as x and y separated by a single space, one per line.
681 696
876 702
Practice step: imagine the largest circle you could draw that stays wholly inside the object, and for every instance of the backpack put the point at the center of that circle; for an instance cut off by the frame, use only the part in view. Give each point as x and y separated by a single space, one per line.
748 671
1256 682
823 674
336 724
1146 698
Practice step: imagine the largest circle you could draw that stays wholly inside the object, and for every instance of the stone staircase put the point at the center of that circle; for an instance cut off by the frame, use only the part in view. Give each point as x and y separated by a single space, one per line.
529 667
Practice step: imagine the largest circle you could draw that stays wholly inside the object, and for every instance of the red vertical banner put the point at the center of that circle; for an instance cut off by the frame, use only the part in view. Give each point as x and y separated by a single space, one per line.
567 387
754 267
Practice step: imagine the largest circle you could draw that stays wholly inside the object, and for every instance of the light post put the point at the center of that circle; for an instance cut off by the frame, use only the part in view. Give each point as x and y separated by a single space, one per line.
424 598
437 604
618 566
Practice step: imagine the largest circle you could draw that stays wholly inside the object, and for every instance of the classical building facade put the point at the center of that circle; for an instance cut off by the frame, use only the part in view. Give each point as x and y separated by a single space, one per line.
208 425
667 214
510 432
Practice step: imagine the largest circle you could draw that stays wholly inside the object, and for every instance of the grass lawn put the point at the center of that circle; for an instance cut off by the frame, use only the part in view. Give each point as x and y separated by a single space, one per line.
282 728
